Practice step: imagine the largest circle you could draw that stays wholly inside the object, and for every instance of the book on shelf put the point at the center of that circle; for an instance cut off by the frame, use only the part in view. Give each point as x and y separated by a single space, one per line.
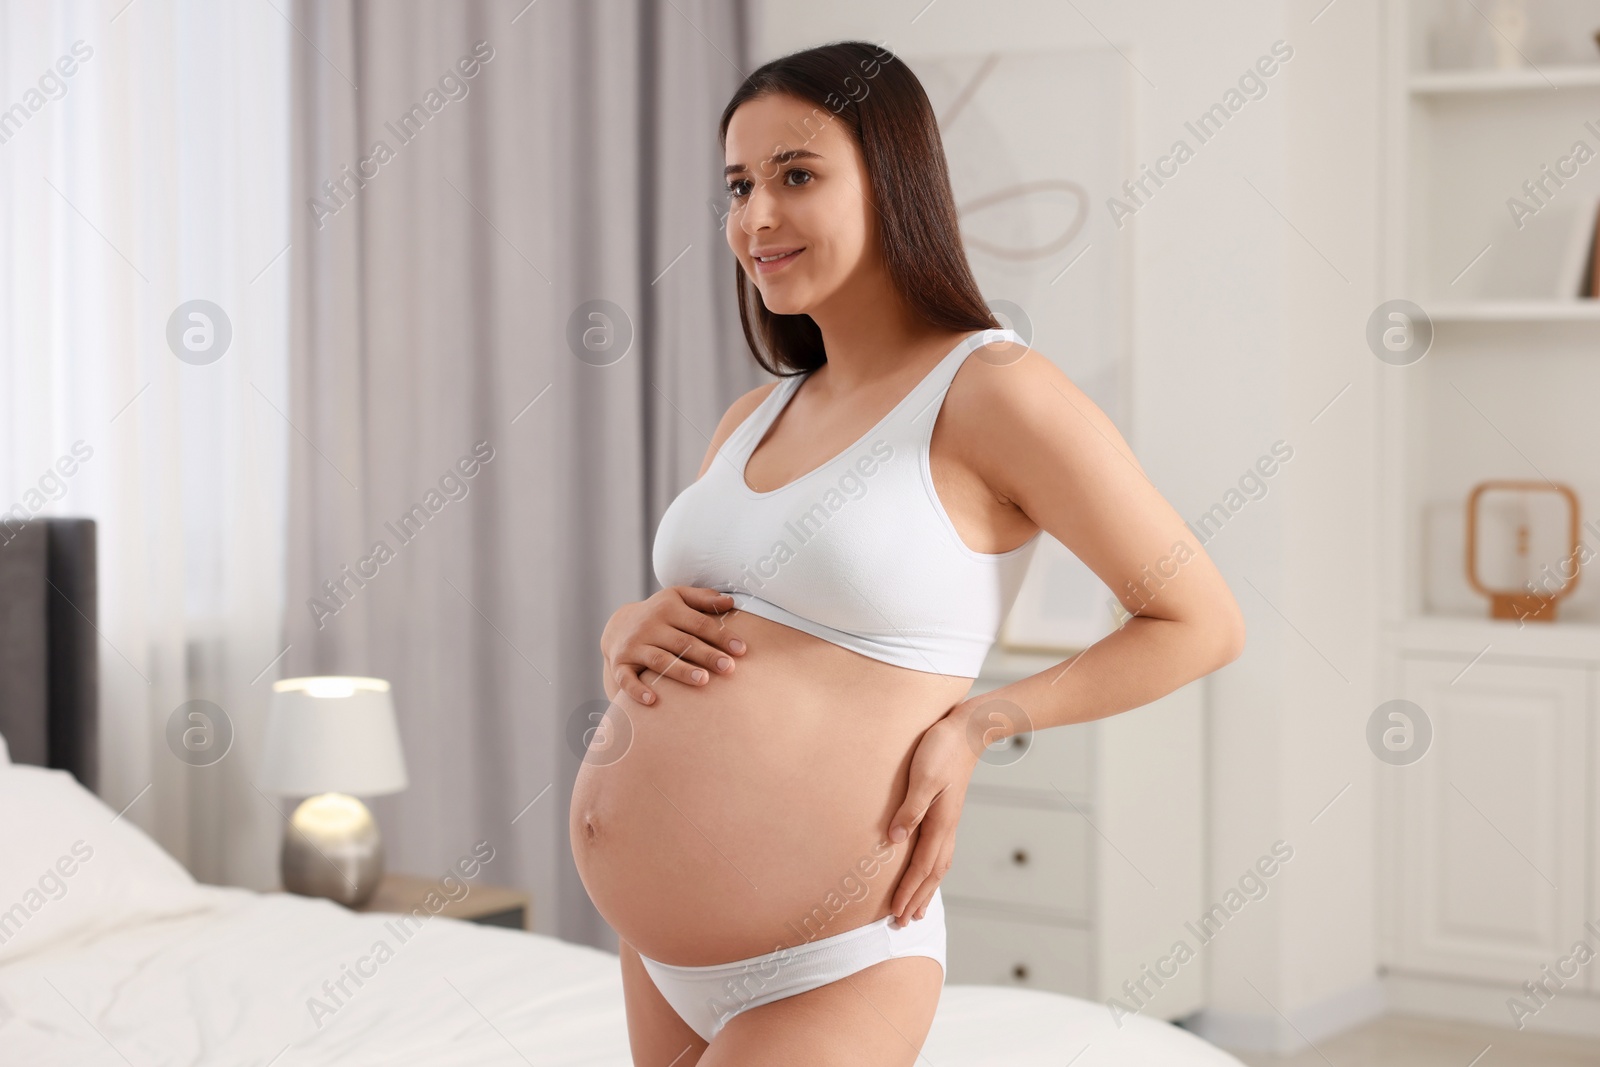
1591 284
1578 277
1552 256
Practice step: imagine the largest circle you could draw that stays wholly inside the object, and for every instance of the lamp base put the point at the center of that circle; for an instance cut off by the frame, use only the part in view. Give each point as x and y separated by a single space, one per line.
332 848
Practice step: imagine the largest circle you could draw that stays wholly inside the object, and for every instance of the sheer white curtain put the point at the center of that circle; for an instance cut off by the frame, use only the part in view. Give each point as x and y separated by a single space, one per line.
143 165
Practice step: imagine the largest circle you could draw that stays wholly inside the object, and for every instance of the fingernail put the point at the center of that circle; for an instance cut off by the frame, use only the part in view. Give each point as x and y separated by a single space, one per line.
723 663
736 644
698 676
649 698
897 834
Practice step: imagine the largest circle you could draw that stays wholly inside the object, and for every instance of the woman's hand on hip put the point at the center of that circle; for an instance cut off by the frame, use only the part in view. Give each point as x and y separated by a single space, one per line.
674 632
941 770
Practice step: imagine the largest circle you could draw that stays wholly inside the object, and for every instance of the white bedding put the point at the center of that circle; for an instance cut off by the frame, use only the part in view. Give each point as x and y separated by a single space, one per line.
123 959
232 985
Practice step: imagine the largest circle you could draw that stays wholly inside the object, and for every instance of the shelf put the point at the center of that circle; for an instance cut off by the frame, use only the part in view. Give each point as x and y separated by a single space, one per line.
1462 635
1460 82
1516 311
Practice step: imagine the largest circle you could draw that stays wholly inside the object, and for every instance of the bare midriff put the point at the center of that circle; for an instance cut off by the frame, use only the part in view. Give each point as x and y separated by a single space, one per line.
751 813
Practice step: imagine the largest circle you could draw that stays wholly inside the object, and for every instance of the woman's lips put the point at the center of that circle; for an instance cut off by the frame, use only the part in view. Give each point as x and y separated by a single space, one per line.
776 264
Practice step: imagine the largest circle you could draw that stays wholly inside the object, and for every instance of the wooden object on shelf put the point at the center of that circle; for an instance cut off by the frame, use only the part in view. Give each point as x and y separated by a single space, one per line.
487 904
1521 604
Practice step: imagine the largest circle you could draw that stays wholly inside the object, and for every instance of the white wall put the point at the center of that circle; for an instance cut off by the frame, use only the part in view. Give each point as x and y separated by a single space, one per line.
1255 270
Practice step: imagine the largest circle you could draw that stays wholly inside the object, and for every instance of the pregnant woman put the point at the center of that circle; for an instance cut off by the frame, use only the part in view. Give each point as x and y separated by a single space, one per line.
770 802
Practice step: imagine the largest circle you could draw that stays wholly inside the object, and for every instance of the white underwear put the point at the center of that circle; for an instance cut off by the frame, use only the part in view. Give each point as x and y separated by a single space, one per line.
707 997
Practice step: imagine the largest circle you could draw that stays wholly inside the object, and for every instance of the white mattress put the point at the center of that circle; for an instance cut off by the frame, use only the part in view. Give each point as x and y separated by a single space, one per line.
231 985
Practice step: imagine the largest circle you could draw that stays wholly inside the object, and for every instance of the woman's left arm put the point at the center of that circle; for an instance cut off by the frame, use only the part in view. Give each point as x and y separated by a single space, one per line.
1043 446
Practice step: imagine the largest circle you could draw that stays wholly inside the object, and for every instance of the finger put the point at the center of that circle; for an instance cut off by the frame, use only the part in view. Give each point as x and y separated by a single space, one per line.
629 682
659 662
699 639
702 599
920 867
711 630
919 797
935 845
903 894
712 607
917 907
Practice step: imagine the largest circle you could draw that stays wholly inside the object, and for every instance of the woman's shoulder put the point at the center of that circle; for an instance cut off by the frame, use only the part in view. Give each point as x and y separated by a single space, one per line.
1010 409
743 407
1000 375
740 410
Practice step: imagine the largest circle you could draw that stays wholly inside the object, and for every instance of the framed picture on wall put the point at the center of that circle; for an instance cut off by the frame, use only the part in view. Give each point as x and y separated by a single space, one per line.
1038 143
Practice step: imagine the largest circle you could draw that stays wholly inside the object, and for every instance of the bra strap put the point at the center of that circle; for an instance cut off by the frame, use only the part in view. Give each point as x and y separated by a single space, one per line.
755 427
922 411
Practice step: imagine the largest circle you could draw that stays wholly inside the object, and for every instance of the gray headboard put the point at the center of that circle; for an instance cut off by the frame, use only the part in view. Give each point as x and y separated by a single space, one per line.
49 664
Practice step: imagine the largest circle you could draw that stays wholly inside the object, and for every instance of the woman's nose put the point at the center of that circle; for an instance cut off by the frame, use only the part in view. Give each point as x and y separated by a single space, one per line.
758 213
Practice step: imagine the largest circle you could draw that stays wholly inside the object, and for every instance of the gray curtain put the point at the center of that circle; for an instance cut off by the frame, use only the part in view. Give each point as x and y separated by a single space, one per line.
441 297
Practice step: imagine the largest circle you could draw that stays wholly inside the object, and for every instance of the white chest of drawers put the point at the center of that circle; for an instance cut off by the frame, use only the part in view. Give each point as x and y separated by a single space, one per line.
1079 857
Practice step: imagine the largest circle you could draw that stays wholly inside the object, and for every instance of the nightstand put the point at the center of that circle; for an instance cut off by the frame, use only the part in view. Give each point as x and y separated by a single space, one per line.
489 905
1079 854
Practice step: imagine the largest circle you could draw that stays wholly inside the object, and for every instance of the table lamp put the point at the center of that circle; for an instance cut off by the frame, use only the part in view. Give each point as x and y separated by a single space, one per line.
328 738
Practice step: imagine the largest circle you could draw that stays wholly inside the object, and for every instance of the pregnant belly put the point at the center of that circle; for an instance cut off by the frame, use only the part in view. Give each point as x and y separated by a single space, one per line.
751 813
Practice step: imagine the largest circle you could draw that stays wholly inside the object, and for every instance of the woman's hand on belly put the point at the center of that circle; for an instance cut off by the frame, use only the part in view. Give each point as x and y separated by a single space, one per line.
738 817
936 791
673 632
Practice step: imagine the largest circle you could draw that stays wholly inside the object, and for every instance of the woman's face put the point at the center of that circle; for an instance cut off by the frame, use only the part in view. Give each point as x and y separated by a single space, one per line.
798 190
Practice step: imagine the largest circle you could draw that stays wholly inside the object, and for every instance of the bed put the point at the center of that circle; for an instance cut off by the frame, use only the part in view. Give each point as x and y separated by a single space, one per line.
111 953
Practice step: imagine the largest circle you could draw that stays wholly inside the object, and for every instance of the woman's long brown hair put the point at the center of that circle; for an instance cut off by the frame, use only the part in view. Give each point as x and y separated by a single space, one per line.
883 105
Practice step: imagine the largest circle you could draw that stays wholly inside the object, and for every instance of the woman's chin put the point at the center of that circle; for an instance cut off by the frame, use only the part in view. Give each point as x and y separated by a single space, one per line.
784 300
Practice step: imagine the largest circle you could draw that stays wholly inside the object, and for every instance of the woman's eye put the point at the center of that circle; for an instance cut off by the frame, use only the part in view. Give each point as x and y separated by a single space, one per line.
740 187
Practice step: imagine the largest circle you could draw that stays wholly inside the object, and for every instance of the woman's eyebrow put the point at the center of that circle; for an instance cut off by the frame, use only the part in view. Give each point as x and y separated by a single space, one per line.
777 157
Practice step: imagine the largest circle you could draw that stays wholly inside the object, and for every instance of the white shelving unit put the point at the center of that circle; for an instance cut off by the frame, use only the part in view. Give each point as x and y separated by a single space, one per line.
1504 81
1490 844
1518 311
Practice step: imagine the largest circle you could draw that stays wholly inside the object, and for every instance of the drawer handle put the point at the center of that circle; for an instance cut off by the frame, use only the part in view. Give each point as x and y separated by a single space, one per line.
1020 972
1020 857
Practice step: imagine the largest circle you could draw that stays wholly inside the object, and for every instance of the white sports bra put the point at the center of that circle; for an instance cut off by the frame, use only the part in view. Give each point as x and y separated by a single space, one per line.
859 551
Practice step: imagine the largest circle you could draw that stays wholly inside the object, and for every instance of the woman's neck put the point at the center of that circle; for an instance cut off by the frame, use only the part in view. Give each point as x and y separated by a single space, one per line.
870 333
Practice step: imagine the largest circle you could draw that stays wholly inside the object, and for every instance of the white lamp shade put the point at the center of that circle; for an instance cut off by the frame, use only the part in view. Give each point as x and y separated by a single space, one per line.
332 735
